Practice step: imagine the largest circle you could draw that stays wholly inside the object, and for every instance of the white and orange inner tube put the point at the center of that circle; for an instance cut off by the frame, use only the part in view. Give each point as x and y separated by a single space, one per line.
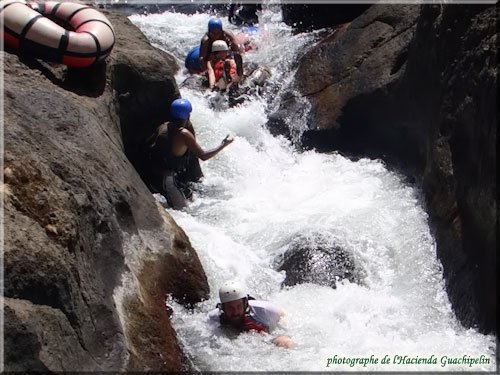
34 29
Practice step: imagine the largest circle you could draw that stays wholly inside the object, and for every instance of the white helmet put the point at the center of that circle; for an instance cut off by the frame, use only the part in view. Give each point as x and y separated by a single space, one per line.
231 291
219 45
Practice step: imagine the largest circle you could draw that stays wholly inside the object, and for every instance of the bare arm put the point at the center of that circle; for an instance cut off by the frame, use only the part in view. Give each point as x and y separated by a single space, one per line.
283 341
204 51
191 143
211 75
233 42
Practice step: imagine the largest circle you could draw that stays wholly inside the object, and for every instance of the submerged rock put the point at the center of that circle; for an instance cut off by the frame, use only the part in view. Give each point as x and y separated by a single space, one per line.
317 260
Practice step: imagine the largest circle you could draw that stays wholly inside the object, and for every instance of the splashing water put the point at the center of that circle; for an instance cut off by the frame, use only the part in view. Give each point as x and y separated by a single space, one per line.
260 194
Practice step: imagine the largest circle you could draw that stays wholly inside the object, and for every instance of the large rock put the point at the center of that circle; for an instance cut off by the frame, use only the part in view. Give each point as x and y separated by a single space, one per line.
459 151
87 248
316 16
362 58
41 338
417 86
316 259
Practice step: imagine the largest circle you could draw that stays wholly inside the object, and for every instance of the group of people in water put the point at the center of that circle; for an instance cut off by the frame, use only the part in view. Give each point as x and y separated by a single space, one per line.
172 142
169 147
220 56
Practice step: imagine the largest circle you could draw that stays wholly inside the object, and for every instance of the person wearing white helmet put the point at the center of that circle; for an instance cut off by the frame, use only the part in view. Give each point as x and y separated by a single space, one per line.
221 68
216 32
244 313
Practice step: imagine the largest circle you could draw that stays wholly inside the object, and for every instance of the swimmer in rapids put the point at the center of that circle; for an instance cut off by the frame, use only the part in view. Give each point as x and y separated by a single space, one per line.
243 313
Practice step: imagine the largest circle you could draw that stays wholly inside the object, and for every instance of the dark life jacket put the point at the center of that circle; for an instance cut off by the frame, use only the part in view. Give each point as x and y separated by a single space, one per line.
160 151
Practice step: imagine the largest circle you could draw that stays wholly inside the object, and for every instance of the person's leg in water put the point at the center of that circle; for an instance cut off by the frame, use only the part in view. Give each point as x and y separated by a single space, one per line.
174 196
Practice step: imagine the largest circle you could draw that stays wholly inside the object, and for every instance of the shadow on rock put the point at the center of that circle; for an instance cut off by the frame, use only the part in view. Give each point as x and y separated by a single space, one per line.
89 81
318 261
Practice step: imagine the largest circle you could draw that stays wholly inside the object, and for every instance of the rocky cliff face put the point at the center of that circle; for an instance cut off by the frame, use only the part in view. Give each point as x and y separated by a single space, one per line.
317 16
89 254
416 86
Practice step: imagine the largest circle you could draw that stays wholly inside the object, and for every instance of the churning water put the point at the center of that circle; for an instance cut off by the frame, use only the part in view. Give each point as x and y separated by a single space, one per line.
260 194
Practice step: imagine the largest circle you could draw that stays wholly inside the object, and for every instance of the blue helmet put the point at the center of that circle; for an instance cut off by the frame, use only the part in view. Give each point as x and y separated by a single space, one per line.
180 109
214 24
192 62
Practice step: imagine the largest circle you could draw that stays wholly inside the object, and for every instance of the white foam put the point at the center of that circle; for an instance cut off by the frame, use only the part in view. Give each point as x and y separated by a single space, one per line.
260 193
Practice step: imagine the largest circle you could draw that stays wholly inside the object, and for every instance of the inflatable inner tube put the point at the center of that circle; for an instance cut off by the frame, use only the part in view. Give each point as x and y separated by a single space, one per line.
31 29
193 63
250 30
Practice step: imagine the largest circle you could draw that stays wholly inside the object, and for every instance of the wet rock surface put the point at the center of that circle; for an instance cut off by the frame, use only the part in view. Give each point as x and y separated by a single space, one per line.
417 86
83 234
318 261
316 16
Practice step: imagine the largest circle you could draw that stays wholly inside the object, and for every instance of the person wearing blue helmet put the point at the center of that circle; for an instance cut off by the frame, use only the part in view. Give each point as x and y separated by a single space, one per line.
216 32
169 149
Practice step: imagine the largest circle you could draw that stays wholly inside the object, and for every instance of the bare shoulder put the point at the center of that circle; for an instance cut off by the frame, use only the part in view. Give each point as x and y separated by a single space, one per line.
186 133
229 33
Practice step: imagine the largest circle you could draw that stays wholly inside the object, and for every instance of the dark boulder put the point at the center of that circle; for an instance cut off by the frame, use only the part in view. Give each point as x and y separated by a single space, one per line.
362 58
317 16
458 105
317 260
356 59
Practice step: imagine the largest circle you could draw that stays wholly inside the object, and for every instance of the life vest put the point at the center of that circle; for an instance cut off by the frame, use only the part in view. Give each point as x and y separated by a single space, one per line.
160 151
224 69
249 323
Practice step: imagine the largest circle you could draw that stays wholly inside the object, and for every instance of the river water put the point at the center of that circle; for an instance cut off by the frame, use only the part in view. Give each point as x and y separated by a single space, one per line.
261 193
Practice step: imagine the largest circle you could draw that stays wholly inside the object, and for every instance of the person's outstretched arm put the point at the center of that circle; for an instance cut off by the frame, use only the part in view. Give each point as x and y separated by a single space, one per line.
191 143
283 341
